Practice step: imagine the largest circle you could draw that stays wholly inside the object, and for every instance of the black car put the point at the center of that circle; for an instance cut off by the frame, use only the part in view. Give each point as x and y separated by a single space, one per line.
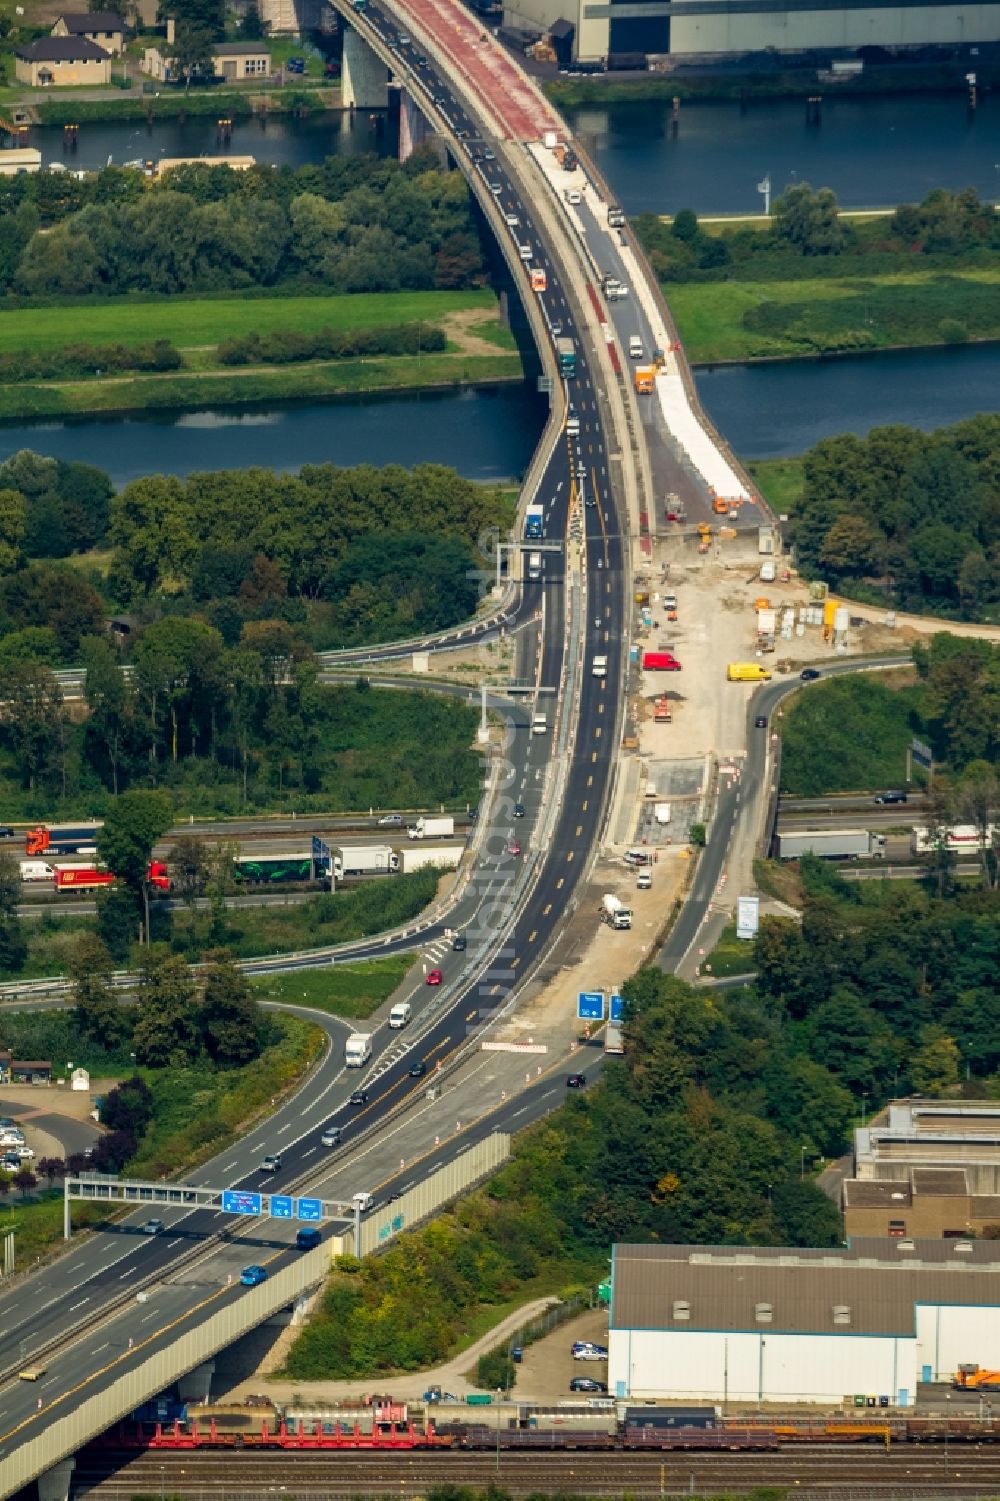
359 1097
576 1081
6 832
417 1070
809 674
587 1384
518 810
459 943
890 797
761 722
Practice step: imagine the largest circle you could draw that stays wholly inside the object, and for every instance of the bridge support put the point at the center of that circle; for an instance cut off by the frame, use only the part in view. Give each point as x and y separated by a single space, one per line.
54 1484
413 129
364 77
196 1386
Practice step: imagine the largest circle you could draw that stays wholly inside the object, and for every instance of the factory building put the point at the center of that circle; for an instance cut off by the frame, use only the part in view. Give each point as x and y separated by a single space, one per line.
686 30
962 1134
861 1325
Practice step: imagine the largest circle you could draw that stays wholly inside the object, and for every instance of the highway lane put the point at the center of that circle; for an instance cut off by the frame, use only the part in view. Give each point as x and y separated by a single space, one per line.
98 1268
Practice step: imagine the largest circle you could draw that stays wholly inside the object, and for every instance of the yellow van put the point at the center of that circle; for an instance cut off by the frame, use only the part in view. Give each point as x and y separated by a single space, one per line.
32 1373
747 672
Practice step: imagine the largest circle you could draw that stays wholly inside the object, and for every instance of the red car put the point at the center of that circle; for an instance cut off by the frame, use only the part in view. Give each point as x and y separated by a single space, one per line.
434 977
513 846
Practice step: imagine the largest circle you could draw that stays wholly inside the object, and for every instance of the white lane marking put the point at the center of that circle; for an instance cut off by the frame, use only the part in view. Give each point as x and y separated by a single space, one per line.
127 1273
75 1306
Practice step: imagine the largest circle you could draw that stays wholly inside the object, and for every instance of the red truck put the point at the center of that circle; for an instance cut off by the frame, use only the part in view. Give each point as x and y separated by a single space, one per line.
90 878
660 661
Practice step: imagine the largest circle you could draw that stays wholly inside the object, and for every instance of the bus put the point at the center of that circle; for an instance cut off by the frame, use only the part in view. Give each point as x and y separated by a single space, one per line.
566 356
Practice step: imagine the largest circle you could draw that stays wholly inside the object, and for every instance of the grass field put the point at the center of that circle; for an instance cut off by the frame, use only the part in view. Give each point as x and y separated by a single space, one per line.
731 955
352 990
199 321
809 317
781 481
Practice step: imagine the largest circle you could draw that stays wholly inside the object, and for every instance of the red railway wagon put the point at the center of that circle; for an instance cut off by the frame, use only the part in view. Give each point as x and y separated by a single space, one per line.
191 1435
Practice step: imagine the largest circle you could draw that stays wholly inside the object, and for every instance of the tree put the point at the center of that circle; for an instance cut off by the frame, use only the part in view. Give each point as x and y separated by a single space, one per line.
191 53
119 920
852 546
809 220
230 1017
31 714
13 946
253 27
97 1010
110 698
166 1029
976 796
128 1107
13 525
189 868
25 1181
934 1067
133 824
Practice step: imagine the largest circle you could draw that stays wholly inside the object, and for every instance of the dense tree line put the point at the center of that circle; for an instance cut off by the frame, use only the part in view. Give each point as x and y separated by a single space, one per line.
286 348
907 517
71 361
807 237
361 224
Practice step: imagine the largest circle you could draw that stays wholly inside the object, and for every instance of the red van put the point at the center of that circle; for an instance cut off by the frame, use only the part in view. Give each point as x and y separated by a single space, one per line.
660 661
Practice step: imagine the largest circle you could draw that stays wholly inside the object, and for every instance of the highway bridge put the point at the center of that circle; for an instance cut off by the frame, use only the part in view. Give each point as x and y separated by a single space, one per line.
122 1315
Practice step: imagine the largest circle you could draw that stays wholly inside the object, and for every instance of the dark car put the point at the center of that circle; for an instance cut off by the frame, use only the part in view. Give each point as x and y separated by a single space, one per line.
809 674
587 1384
576 1081
359 1097
890 797
459 943
761 722
308 1239
518 810
417 1070
6 832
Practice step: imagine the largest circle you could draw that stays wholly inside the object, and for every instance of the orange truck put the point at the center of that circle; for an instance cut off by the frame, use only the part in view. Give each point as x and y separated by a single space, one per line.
972 1378
645 376
93 878
661 710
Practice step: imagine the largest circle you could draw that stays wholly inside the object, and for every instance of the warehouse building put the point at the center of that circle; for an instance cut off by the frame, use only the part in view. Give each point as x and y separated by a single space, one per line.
864 1323
685 30
918 1133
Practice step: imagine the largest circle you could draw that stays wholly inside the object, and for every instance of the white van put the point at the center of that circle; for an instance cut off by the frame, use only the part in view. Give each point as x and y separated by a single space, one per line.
525 252
400 1014
36 870
635 349
572 425
767 573
539 724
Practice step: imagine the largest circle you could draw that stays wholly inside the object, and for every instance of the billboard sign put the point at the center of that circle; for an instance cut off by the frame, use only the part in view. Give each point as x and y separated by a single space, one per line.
590 1006
922 754
747 916
237 1202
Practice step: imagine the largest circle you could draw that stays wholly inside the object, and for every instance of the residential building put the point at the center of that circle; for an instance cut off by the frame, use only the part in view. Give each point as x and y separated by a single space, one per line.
923 1201
236 62
20 159
778 1325
103 27
54 62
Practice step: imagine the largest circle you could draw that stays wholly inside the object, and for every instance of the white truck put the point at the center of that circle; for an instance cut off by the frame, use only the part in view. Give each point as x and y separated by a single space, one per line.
534 565
446 856
600 667
432 828
661 812
614 912
832 844
357 1049
539 723
364 860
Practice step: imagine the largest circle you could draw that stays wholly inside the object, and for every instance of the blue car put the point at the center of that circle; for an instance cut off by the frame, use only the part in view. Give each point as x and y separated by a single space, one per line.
253 1276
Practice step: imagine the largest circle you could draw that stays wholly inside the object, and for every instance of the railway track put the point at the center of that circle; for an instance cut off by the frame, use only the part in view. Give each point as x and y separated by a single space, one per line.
814 1470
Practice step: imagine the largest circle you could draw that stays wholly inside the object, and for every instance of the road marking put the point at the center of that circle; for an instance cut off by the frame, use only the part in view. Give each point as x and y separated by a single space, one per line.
569 857
585 803
579 830
75 1306
228 1166
172 1243
546 909
600 707
597 736
515 961
127 1273
593 757
309 1152
590 783
559 883
471 1016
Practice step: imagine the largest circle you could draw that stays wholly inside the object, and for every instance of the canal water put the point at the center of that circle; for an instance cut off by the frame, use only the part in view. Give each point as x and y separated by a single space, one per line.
774 411
487 435
872 152
279 139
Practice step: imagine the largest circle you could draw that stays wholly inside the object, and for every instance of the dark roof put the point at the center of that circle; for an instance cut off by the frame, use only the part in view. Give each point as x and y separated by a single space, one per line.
32 1063
62 49
81 23
560 30
870 1287
869 1193
239 49
939 1180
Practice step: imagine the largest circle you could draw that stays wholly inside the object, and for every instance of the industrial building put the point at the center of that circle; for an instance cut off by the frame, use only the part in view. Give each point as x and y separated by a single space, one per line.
921 1201
862 1324
688 30
932 1133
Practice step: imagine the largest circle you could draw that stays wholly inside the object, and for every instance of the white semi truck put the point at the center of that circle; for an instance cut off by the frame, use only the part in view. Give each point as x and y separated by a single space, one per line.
364 860
432 828
832 844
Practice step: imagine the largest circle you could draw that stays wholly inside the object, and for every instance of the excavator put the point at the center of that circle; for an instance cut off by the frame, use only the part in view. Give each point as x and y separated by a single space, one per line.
972 1378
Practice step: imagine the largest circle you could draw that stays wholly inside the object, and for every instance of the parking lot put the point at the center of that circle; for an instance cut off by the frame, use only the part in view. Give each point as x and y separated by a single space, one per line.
548 1366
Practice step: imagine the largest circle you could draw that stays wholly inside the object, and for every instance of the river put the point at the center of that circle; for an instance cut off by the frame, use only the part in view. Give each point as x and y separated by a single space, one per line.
774 411
487 435
872 152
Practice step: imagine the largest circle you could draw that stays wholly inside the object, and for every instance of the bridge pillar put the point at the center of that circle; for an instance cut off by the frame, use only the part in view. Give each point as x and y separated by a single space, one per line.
364 77
413 130
196 1386
54 1484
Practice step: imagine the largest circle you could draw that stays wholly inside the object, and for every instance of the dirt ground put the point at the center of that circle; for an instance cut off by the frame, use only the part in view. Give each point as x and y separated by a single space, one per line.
548 1366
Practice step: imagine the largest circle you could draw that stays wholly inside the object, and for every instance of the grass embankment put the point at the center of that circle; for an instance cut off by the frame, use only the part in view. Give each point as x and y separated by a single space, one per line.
781 482
748 320
850 734
250 932
731 955
349 990
480 350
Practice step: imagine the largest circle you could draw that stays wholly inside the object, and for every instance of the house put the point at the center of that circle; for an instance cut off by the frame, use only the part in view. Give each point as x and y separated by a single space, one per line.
20 159
102 27
17 1071
233 61
62 61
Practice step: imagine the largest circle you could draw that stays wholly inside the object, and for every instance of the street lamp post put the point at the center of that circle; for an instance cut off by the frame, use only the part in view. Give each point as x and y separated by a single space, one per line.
499 1396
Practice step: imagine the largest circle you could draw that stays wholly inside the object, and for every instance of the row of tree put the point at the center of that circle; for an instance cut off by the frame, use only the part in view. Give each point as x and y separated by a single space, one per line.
807 232
397 226
907 516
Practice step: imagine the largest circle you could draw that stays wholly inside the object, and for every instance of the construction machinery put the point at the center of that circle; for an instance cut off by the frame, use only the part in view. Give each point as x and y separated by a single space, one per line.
972 1378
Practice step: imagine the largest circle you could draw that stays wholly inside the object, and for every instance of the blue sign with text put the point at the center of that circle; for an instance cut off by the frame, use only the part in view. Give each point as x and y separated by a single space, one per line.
310 1209
590 1006
321 855
236 1202
617 1008
282 1207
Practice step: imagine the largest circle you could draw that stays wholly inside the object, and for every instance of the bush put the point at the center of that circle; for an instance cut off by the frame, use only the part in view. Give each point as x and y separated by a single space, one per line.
953 331
495 1371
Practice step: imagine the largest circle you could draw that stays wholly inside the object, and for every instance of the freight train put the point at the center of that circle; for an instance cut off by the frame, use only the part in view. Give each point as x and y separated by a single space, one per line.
258 1423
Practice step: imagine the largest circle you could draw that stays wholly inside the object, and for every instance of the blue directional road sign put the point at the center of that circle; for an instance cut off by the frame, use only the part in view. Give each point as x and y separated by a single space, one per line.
310 1209
237 1202
617 1008
321 855
590 1006
282 1207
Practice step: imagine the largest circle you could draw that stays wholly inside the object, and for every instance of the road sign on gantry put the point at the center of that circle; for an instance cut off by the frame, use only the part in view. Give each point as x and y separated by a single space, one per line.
590 1006
310 1209
617 1011
236 1202
282 1207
